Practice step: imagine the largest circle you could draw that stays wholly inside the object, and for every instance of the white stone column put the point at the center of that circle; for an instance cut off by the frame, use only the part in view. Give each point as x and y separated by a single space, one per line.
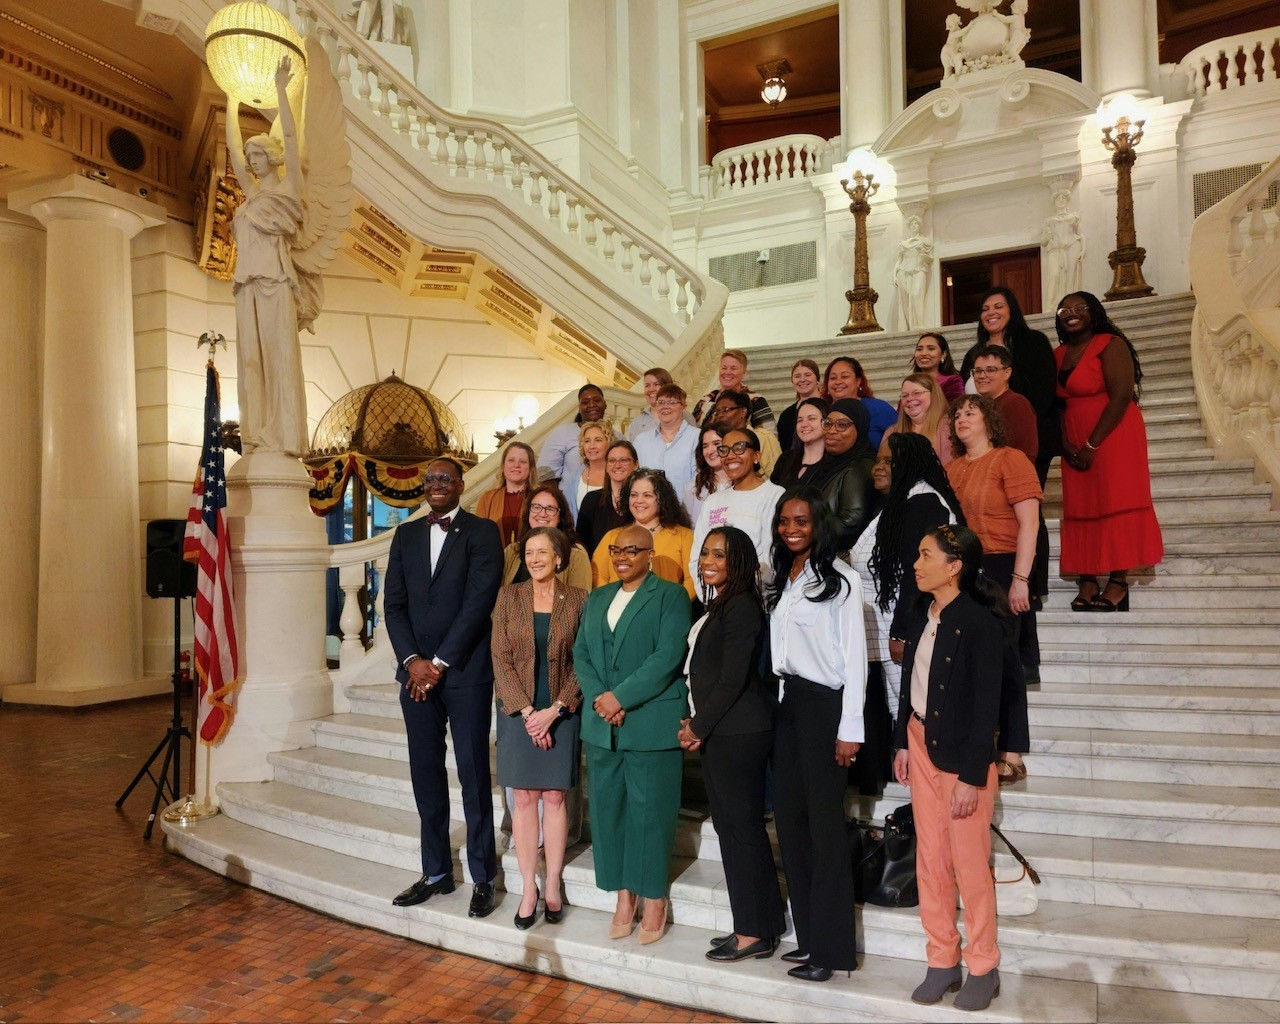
1119 46
88 640
21 260
872 69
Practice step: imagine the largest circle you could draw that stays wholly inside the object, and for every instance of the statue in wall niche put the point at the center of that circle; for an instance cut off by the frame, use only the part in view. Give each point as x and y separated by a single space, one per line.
911 273
1063 246
989 40
297 200
380 21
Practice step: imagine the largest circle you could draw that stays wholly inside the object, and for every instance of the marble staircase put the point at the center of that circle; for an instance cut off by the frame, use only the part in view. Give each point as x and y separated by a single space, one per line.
1152 812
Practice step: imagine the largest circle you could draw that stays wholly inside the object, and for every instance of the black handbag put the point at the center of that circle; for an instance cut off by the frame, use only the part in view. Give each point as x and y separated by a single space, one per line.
866 844
895 885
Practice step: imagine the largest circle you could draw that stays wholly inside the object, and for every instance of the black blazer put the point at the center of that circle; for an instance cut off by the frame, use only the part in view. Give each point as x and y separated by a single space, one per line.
444 613
730 695
965 678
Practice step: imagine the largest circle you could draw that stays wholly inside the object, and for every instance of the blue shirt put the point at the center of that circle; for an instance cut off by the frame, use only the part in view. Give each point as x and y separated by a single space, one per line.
675 458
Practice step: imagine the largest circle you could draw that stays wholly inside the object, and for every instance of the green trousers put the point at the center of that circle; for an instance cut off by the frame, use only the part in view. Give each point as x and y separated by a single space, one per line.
634 802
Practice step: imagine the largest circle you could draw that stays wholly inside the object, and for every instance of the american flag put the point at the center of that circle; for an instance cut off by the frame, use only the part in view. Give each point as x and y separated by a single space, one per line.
206 543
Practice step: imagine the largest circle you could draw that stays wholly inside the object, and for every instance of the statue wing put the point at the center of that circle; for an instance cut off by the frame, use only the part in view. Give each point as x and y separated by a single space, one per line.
327 195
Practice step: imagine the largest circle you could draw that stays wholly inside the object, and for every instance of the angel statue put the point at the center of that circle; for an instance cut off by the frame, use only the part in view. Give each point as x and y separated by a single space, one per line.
286 231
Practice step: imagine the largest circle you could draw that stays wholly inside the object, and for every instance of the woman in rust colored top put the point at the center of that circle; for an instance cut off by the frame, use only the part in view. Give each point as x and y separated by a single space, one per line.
503 503
534 626
1000 496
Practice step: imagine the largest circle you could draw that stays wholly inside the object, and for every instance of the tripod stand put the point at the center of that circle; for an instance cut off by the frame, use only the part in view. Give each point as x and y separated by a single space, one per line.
172 742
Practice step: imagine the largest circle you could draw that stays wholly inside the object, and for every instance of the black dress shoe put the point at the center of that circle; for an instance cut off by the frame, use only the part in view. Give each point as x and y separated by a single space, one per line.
810 972
730 952
422 890
482 900
523 923
553 916
719 940
796 956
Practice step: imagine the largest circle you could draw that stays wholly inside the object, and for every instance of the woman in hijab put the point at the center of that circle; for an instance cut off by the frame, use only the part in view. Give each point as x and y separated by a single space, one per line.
844 473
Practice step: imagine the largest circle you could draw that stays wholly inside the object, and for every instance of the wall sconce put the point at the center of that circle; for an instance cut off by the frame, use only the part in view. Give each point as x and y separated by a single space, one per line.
775 87
1121 121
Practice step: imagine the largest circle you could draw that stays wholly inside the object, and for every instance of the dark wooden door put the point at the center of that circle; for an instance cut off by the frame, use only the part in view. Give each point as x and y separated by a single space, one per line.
965 280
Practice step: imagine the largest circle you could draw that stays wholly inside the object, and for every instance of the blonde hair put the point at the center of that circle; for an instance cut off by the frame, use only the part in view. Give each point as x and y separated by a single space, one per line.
938 408
582 436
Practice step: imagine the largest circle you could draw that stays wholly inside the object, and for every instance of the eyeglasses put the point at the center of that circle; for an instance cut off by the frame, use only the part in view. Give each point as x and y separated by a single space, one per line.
668 403
1066 311
987 371
630 550
625 460
543 510
833 424
439 479
737 448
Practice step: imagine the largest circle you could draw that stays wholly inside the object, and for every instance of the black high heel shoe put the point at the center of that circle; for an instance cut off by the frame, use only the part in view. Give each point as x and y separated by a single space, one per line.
812 972
525 923
1081 603
553 916
1100 603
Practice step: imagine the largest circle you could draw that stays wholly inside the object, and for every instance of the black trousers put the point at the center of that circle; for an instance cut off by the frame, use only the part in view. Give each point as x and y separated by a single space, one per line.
808 802
466 710
733 772
1015 732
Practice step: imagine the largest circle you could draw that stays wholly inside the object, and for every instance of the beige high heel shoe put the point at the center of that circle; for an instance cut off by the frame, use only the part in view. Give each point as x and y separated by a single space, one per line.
645 937
622 931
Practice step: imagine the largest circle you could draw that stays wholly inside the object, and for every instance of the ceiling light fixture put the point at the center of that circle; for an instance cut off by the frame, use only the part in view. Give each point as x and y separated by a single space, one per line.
775 87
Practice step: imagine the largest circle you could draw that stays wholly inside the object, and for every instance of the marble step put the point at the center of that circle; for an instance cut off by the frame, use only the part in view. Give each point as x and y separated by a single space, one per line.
379 701
1155 710
1060 748
1173 626
1210 493
1163 812
1184 591
1084 662
1063 940
674 970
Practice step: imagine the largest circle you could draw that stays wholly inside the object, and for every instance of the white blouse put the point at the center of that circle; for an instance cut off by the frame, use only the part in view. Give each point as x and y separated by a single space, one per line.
824 642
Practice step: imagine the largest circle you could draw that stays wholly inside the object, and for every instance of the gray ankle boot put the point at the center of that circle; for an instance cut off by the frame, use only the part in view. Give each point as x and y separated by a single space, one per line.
938 981
978 991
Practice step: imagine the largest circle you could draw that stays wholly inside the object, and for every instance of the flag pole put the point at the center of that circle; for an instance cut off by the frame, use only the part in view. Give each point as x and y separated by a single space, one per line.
188 811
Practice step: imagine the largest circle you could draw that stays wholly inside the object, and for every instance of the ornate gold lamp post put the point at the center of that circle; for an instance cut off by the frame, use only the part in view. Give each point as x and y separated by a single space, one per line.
861 185
1121 121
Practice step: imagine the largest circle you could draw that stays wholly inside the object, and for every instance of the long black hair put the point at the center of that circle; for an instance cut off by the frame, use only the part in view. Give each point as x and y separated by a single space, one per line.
630 449
1102 324
704 478
1017 325
945 363
959 543
670 511
913 461
822 549
742 568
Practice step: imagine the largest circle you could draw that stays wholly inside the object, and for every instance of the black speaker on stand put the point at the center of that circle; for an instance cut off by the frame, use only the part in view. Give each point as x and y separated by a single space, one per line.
168 575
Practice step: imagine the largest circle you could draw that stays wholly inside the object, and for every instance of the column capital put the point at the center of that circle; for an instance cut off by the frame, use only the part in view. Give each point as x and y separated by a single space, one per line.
75 197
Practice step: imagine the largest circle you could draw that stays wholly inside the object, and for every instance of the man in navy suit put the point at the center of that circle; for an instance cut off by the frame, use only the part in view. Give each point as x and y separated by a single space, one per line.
442 581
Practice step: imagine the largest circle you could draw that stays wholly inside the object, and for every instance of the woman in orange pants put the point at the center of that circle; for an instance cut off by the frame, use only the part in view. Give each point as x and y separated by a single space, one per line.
952 668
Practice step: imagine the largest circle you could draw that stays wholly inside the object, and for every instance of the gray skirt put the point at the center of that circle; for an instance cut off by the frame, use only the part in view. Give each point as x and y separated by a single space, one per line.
521 765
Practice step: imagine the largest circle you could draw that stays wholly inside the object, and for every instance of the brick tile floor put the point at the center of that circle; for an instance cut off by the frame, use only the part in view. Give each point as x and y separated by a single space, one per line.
96 924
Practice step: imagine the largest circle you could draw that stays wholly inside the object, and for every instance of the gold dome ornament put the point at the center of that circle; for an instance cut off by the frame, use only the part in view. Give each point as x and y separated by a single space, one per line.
388 433
243 46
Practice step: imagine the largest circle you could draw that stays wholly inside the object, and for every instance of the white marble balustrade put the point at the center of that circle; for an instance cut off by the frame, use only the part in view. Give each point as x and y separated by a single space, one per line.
1233 63
477 148
770 162
1235 249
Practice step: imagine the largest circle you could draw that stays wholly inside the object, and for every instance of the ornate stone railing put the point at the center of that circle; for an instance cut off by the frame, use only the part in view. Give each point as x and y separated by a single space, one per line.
1235 340
358 562
768 163
641 272
1232 63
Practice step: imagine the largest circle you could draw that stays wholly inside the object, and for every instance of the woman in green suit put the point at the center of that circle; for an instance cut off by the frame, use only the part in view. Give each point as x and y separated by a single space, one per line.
628 656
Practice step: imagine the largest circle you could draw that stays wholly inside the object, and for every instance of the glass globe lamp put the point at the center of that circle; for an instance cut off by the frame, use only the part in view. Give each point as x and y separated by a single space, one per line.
243 46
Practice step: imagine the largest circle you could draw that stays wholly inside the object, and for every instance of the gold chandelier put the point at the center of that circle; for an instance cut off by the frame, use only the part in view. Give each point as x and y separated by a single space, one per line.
243 46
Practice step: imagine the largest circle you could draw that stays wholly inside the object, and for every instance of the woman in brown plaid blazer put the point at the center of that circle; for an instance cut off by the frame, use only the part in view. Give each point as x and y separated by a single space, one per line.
534 627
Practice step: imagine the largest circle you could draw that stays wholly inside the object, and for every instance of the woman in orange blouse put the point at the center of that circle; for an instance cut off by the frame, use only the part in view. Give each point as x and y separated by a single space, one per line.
534 627
1000 496
502 504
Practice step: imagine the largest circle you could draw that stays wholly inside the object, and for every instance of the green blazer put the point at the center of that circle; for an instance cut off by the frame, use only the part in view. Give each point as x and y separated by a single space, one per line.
644 673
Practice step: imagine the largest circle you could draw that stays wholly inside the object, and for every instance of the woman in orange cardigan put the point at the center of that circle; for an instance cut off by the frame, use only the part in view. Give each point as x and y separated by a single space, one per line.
502 504
534 627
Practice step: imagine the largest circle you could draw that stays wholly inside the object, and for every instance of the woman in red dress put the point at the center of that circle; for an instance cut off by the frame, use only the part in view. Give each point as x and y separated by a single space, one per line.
1108 523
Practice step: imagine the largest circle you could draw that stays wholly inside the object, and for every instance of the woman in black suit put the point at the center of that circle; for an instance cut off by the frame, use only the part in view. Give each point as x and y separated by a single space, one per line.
732 707
955 656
